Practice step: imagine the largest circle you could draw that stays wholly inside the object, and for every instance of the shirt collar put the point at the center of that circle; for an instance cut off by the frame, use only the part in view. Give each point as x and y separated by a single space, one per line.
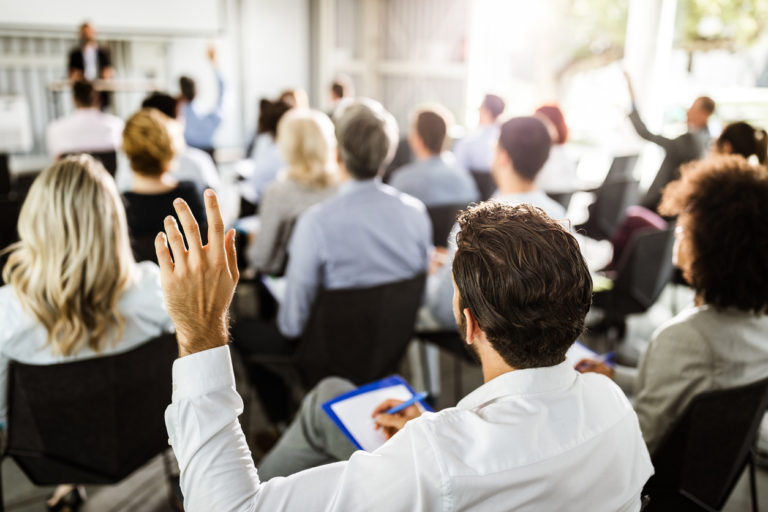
529 381
352 185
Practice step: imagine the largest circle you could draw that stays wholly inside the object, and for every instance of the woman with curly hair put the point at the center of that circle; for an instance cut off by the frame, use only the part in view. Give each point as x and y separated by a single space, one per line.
721 246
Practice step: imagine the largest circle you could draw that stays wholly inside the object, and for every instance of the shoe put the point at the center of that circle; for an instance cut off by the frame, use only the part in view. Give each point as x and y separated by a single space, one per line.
70 502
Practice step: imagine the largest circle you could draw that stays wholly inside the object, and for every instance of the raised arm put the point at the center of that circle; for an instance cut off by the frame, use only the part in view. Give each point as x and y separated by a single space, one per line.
638 123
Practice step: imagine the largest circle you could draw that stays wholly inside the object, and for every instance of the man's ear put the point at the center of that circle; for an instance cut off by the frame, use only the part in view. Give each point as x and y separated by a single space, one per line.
473 329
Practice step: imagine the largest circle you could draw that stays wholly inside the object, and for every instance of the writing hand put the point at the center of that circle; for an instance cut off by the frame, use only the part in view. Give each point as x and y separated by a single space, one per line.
392 423
591 365
198 283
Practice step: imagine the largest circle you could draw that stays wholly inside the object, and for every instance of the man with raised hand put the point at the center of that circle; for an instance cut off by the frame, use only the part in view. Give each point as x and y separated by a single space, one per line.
537 435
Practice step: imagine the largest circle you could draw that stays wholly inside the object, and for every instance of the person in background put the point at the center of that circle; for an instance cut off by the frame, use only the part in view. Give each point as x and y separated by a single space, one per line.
72 229
89 61
192 164
691 145
341 87
86 129
308 145
721 246
475 151
151 142
200 127
743 139
267 160
433 178
296 98
535 436
558 175
522 149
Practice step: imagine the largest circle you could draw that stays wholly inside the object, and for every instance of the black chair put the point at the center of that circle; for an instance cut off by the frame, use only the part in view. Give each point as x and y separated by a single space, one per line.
611 201
562 198
107 158
622 168
359 334
9 218
485 184
443 218
5 176
93 421
643 271
700 459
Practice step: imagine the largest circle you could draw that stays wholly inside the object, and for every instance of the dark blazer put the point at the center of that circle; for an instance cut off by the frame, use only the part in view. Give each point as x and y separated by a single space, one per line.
77 61
683 149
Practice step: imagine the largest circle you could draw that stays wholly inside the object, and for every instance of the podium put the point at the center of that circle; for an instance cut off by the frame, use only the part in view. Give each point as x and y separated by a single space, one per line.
115 86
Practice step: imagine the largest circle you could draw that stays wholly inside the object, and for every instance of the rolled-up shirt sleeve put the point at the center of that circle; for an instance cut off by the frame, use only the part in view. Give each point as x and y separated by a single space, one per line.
218 473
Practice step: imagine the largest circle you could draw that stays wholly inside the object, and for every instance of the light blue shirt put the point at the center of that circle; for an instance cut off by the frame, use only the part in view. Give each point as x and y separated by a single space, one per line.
476 150
436 181
366 235
200 128
267 162
440 285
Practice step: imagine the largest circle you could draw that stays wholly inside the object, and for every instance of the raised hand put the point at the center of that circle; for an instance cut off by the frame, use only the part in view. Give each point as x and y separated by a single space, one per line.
199 282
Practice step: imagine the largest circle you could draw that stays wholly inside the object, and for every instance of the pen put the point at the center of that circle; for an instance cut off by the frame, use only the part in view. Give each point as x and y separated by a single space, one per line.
418 397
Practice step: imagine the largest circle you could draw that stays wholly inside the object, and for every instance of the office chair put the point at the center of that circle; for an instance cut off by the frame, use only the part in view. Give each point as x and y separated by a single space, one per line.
700 459
443 218
107 158
485 184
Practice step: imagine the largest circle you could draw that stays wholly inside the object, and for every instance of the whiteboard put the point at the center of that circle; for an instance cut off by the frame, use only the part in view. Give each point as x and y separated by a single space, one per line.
114 16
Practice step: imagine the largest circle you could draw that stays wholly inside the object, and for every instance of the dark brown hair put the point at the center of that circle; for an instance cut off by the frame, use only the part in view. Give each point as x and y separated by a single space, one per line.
493 104
723 206
706 103
84 93
526 140
432 127
745 140
270 113
188 88
523 277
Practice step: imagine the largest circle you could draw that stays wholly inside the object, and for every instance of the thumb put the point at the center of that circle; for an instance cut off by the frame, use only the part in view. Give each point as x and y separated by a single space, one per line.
390 420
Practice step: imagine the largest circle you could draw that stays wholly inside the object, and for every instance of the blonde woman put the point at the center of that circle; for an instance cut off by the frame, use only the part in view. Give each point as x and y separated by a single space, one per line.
74 290
308 145
151 142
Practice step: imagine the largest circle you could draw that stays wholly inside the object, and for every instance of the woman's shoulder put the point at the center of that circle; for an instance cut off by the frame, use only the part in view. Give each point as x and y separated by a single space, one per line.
11 314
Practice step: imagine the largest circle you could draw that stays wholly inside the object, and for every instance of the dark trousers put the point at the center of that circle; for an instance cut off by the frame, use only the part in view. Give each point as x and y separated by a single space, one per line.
258 337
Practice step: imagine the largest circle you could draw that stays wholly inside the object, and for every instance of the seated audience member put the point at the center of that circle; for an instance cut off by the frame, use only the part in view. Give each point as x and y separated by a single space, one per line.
721 246
522 149
366 235
559 172
192 164
74 290
691 145
87 129
151 142
433 178
341 87
536 435
743 139
308 145
200 127
296 98
267 160
475 151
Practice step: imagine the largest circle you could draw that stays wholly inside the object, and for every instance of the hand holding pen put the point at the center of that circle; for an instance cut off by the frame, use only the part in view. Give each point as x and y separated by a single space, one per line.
392 415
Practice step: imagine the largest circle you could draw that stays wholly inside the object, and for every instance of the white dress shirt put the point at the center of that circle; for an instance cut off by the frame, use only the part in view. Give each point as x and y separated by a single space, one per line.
545 439
23 338
86 129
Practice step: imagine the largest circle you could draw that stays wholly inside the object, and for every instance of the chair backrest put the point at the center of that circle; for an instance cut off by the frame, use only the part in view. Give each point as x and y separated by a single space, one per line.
278 254
705 451
5 175
90 421
621 168
443 218
107 158
359 334
9 218
645 268
485 184
612 199
144 248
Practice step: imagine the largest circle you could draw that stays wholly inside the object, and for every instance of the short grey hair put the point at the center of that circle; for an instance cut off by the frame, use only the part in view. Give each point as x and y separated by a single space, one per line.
367 137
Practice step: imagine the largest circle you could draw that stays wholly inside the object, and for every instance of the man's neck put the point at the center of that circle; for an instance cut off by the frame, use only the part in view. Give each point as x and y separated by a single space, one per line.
509 183
493 365
425 155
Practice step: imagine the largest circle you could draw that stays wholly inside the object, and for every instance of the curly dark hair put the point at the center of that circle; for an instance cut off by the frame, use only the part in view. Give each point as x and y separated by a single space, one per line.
523 277
723 207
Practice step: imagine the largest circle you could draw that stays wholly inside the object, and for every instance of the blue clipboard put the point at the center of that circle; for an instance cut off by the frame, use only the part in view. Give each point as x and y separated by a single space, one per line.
392 380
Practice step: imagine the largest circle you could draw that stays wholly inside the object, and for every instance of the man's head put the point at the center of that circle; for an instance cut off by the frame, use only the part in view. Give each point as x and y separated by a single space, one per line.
699 112
523 148
84 94
491 108
522 287
188 88
87 34
428 131
367 138
341 87
163 102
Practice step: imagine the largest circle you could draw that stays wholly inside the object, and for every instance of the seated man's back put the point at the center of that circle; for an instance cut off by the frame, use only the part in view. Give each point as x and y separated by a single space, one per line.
86 129
368 234
436 181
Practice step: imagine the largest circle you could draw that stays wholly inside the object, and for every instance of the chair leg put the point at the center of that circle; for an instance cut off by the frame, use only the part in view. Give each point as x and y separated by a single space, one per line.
752 481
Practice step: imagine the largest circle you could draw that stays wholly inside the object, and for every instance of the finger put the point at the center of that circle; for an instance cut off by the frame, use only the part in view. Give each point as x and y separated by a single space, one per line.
390 420
215 224
386 405
188 222
175 240
163 254
232 255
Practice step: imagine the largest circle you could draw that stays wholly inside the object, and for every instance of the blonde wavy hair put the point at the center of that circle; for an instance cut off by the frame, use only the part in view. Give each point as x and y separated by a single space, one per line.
306 140
151 140
73 261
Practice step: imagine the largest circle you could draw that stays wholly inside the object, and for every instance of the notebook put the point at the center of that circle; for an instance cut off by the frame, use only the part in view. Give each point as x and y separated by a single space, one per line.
351 412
